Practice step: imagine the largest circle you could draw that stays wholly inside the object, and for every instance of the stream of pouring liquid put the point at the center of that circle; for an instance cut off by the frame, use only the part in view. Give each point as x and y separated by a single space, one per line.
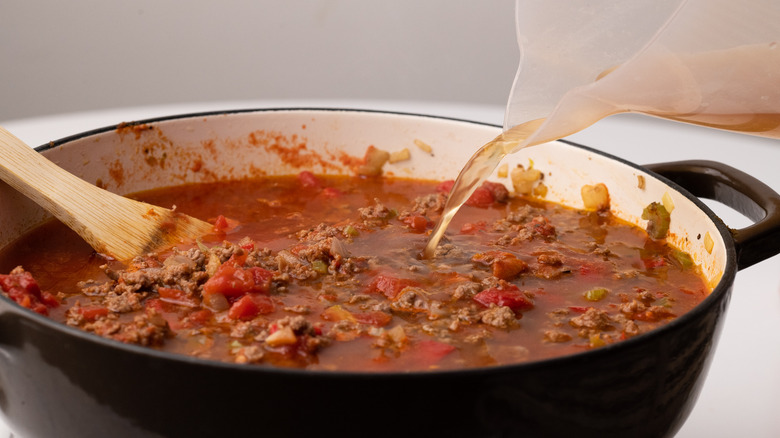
488 157
476 170
748 102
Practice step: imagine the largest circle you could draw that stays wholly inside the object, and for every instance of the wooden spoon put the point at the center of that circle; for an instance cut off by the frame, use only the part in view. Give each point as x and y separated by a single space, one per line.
113 225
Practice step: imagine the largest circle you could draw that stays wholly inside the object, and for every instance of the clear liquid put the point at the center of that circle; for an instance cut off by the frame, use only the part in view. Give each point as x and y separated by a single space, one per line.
478 169
734 90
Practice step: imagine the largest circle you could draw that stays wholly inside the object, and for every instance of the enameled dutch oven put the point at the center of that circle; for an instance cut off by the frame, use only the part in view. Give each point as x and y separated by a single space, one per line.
56 381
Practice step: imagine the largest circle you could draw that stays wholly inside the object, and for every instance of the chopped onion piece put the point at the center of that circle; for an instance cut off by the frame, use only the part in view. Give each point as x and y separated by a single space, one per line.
179 259
338 248
216 302
283 336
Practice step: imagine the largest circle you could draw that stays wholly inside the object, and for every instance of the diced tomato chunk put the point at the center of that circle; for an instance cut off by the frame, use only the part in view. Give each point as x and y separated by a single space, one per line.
498 190
49 300
309 180
511 297
417 223
389 286
221 224
484 196
481 198
249 306
24 290
248 245
236 260
445 186
507 268
504 265
92 312
430 352
542 226
232 281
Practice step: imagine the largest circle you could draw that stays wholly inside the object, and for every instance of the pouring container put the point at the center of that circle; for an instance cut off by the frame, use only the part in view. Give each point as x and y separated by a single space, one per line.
714 63
56 380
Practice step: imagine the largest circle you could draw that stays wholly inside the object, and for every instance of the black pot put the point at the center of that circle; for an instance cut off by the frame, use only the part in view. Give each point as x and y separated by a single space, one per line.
57 381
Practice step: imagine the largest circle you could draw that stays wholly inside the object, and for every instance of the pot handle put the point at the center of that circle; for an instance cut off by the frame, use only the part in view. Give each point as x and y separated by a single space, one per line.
740 191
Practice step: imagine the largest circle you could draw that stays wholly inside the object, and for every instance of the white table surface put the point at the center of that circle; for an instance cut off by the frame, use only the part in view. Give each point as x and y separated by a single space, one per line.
741 394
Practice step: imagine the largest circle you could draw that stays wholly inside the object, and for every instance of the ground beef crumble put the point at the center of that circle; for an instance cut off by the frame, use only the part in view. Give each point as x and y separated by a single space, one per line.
499 316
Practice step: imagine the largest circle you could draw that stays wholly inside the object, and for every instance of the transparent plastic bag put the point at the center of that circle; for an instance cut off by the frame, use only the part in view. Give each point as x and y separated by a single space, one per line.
710 62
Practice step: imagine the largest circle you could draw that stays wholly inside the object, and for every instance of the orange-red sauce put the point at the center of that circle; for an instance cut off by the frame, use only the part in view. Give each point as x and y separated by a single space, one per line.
516 279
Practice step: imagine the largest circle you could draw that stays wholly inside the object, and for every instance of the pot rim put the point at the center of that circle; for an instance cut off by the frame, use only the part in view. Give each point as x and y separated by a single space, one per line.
721 290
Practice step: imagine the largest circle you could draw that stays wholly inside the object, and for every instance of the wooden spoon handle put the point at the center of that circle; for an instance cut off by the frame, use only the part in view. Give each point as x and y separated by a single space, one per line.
110 223
50 186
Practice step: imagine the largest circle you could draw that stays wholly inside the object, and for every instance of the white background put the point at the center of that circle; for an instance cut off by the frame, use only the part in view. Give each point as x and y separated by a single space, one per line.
63 56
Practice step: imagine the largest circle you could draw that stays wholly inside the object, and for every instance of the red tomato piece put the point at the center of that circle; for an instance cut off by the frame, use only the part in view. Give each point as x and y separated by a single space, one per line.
232 281
221 224
376 318
507 268
248 245
49 300
511 297
249 306
498 190
481 198
24 290
389 286
431 352
236 260
416 223
504 265
542 226
445 186
309 180
93 312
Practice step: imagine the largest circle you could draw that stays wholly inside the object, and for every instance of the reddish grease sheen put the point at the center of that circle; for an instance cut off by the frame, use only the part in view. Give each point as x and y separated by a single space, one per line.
322 272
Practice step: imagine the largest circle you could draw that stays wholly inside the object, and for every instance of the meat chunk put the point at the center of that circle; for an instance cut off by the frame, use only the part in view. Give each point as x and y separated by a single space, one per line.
592 321
432 203
124 302
146 329
556 336
499 316
377 214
